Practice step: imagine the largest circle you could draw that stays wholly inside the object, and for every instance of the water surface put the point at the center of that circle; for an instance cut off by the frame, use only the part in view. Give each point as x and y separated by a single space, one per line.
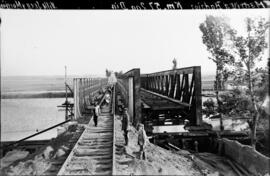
23 117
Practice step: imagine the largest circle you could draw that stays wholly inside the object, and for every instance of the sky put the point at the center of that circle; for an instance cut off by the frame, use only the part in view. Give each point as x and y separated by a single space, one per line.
36 42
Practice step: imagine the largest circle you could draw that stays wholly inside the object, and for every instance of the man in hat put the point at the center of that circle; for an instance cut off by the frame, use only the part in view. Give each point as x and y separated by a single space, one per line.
125 125
142 141
96 113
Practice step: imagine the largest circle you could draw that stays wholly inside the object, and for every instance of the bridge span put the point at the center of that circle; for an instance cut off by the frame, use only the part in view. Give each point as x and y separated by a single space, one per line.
168 103
167 98
174 94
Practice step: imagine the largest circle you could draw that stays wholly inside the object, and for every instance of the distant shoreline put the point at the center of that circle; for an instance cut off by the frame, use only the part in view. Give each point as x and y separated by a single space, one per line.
62 94
19 87
20 95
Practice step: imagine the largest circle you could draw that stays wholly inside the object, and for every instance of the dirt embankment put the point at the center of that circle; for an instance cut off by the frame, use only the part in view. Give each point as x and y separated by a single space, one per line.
158 160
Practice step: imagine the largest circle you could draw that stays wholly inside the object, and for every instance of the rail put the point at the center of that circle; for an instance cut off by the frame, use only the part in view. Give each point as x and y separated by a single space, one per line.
92 151
114 138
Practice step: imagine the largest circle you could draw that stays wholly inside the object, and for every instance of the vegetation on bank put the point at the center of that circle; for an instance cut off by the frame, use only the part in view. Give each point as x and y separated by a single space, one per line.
236 57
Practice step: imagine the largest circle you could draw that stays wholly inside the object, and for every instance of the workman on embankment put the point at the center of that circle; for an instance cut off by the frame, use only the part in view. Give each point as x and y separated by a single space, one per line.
142 141
125 125
96 113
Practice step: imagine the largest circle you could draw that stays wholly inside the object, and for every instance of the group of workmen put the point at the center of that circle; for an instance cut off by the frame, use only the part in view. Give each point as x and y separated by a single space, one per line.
142 137
97 107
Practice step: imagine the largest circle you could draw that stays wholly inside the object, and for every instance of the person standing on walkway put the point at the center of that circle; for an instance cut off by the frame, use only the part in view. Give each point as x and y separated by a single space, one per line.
142 141
125 125
107 99
96 113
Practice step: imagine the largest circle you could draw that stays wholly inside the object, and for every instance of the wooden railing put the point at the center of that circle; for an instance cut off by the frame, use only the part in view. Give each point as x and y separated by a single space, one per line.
180 85
84 90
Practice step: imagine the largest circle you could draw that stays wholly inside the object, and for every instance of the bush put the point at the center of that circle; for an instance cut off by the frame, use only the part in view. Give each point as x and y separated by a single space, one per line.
209 105
235 103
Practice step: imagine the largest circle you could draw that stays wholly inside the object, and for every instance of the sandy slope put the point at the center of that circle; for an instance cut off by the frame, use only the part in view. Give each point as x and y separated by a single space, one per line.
159 161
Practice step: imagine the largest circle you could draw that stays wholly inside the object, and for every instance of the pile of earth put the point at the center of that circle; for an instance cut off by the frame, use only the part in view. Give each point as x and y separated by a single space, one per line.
158 161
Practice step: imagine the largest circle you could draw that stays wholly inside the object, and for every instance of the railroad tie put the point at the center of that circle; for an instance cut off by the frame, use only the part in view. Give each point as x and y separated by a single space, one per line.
93 152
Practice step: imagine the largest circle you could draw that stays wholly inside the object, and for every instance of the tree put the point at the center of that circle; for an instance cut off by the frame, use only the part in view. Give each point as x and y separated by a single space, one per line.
250 50
174 64
263 84
216 32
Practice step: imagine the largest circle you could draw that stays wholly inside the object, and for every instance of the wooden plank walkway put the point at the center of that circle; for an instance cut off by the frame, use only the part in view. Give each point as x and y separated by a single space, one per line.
93 153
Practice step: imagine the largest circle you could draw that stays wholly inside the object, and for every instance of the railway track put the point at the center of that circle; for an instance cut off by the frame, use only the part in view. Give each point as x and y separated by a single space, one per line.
57 163
93 152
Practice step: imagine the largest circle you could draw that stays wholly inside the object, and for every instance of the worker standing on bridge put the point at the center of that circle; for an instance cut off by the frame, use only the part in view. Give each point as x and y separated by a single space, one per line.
96 113
125 125
142 141
107 99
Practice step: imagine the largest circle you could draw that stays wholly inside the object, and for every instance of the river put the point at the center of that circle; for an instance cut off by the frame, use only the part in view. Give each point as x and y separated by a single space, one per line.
23 117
